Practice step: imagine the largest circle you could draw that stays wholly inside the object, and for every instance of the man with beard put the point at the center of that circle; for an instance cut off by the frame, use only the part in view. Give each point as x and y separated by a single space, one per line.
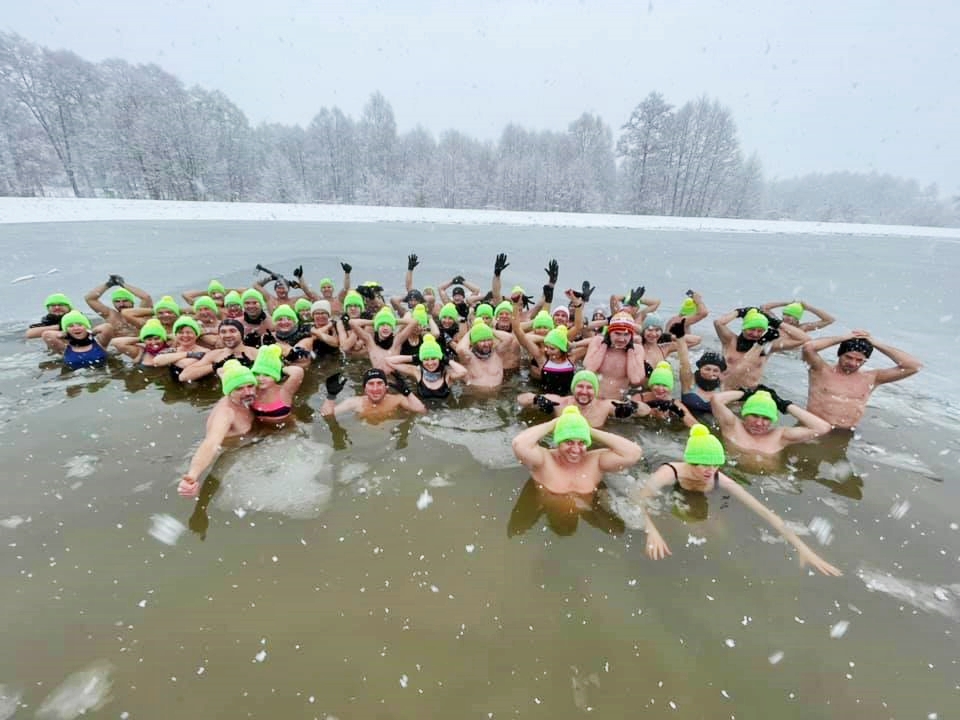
479 352
376 403
230 418
231 337
747 353
616 358
585 395
571 467
503 321
839 393
757 430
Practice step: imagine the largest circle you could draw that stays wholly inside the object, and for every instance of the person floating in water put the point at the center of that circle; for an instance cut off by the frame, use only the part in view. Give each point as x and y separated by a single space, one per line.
700 472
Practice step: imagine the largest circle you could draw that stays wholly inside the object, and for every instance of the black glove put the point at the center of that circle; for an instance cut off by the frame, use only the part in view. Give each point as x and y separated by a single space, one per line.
347 267
412 261
298 272
111 281
500 264
335 384
675 410
553 271
624 409
782 404
345 319
399 383
544 404
747 392
488 298
690 293
633 299
774 321
742 311
366 292
770 335
586 291
458 280
678 329
527 301
548 294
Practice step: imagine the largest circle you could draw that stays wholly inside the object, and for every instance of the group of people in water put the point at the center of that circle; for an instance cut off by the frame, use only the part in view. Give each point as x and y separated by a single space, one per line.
586 364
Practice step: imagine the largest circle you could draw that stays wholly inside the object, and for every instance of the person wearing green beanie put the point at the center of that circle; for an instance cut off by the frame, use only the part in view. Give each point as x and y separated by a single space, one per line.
484 311
75 317
793 311
585 395
77 341
503 316
254 304
550 363
542 323
152 329
571 466
233 306
747 354
274 400
480 352
143 349
430 369
257 324
688 307
207 314
657 400
186 351
662 376
699 473
166 309
353 304
692 310
385 318
57 305
123 299
304 310
420 316
231 417
757 431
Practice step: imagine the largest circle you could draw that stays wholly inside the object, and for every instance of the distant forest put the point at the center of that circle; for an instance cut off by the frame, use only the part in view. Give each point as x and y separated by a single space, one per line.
68 126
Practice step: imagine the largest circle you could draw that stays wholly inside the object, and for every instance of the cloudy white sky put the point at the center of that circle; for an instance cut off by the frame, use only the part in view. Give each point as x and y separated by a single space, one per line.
817 85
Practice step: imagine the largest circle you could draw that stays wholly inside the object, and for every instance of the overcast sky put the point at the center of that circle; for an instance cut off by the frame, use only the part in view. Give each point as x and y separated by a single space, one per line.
814 85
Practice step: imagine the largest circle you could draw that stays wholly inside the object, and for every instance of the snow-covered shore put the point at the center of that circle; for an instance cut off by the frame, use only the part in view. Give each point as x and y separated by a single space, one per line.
35 210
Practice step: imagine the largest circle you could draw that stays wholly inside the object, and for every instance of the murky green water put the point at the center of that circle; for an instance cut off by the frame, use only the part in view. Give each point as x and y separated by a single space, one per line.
310 583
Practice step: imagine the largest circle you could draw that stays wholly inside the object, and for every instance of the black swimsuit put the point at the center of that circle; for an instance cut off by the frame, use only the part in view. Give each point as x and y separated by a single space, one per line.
427 393
679 488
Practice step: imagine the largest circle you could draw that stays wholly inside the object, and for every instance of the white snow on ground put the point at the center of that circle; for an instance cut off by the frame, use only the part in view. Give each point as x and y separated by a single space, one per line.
35 210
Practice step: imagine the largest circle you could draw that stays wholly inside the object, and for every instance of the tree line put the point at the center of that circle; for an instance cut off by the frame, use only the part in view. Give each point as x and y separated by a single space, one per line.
113 129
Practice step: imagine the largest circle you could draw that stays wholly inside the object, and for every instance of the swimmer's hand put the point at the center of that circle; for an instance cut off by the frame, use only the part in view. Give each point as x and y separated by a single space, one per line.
188 487
458 280
678 329
809 557
747 392
298 272
633 299
742 311
770 335
782 404
548 293
774 321
345 321
335 384
347 267
544 404
657 549
399 383
412 261
624 409
586 290
500 264
553 271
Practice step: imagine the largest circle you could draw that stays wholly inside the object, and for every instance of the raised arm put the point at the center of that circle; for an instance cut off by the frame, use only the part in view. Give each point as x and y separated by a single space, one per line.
825 318
724 415
94 302
526 445
686 370
790 337
805 554
619 453
725 334
535 351
218 425
907 364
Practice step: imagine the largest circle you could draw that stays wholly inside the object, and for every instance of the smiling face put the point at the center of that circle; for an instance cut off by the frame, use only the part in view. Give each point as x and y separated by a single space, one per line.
230 336
327 291
154 344
206 316
78 331
252 308
166 317
122 304
384 332
572 452
705 473
281 290
431 365
186 337
285 324
321 318
651 335
584 393
375 390
660 392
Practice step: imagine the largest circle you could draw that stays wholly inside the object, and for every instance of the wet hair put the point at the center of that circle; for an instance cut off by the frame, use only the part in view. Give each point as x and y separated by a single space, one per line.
230 322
